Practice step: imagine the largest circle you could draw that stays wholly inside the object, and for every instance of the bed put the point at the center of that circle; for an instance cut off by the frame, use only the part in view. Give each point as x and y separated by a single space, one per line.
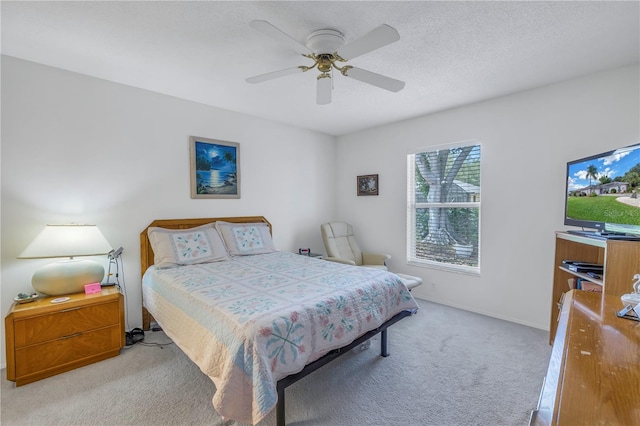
255 319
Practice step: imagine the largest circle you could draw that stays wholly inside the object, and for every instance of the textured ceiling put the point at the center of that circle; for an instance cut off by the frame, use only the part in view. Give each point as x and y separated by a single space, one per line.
449 53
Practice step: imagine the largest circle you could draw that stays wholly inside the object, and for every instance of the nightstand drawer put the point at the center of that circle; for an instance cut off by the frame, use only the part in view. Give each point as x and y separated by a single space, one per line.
59 353
66 322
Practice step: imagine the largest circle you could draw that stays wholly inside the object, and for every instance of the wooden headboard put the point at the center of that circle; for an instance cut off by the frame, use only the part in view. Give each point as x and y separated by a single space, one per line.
146 252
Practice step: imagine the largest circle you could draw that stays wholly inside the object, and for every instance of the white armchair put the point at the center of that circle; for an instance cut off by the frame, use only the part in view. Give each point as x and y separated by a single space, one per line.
341 245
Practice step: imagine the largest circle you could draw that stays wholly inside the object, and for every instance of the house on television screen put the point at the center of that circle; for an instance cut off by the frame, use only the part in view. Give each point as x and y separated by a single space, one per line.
604 188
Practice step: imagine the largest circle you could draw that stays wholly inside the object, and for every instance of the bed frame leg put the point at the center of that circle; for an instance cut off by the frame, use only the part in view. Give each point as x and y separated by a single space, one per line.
280 420
383 343
310 368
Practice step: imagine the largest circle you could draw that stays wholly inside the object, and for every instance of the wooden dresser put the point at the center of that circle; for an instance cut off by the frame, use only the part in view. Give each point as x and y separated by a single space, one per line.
45 338
621 261
594 370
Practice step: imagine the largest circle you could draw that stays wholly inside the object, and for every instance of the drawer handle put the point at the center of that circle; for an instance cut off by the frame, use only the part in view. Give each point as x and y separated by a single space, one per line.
70 309
71 335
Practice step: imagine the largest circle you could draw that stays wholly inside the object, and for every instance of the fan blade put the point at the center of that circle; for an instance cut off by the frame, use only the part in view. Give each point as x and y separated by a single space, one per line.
275 33
374 39
323 91
274 74
372 78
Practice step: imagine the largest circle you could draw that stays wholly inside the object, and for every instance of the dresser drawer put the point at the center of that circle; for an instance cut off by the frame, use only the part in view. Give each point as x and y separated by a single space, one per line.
66 322
58 353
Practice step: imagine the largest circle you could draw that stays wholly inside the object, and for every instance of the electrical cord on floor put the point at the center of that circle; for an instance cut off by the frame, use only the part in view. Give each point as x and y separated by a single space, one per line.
156 327
158 345
136 336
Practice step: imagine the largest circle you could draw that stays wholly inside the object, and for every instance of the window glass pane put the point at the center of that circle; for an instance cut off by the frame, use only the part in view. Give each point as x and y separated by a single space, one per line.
444 206
463 227
448 175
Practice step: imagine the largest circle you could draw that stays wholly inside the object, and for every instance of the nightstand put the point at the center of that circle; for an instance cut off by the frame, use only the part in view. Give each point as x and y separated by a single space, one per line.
45 338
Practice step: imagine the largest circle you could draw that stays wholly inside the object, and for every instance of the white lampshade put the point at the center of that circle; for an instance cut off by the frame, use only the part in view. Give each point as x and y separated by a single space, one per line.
67 276
67 241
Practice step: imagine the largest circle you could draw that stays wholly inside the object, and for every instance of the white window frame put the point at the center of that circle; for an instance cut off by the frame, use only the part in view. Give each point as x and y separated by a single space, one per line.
412 206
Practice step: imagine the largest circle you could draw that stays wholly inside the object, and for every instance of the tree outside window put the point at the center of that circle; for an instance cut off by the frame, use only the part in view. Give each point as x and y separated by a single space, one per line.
444 207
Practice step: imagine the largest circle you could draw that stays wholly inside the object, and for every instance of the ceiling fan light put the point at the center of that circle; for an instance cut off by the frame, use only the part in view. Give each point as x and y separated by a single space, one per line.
325 63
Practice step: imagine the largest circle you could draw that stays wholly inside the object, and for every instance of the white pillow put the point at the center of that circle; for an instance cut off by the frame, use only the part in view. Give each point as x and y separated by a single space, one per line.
246 238
174 247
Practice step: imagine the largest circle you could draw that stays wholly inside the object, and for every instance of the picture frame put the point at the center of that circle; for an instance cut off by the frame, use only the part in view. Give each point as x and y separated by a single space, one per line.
214 168
367 185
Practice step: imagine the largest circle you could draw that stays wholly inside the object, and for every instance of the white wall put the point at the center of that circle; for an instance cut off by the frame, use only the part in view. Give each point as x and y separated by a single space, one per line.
526 138
80 149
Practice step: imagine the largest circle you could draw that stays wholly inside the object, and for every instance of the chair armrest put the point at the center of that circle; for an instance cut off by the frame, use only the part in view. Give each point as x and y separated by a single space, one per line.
375 258
339 260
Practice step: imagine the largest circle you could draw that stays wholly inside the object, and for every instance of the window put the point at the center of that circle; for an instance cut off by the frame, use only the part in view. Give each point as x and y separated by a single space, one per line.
443 207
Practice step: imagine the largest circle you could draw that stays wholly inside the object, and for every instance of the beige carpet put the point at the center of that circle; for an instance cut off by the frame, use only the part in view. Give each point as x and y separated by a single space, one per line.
447 367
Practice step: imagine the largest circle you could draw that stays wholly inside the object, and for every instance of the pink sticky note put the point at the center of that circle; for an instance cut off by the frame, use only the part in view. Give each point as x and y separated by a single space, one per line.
92 288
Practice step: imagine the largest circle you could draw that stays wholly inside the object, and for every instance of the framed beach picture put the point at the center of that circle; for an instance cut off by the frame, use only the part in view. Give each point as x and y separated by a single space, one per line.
215 168
368 185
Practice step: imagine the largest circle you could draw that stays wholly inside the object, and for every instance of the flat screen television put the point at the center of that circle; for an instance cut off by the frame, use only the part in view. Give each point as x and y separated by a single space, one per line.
603 194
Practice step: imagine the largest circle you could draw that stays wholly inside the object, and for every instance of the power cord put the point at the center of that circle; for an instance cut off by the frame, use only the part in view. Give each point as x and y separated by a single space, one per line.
115 259
160 345
135 335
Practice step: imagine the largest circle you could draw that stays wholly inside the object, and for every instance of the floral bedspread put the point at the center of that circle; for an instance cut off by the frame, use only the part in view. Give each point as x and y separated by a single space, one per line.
252 320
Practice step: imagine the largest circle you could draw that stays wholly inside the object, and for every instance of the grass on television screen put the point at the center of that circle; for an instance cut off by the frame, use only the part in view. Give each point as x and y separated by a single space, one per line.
602 209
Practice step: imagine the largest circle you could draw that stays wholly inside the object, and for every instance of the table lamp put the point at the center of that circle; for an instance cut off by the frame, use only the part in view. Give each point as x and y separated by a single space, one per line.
69 275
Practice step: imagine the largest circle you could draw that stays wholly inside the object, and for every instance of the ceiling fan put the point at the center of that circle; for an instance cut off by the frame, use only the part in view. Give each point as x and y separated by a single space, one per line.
327 49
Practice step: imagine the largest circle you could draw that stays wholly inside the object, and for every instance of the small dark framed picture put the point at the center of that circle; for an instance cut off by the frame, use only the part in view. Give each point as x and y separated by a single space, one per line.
368 185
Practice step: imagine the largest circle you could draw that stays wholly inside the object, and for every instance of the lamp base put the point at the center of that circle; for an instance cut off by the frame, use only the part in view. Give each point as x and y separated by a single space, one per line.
67 276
